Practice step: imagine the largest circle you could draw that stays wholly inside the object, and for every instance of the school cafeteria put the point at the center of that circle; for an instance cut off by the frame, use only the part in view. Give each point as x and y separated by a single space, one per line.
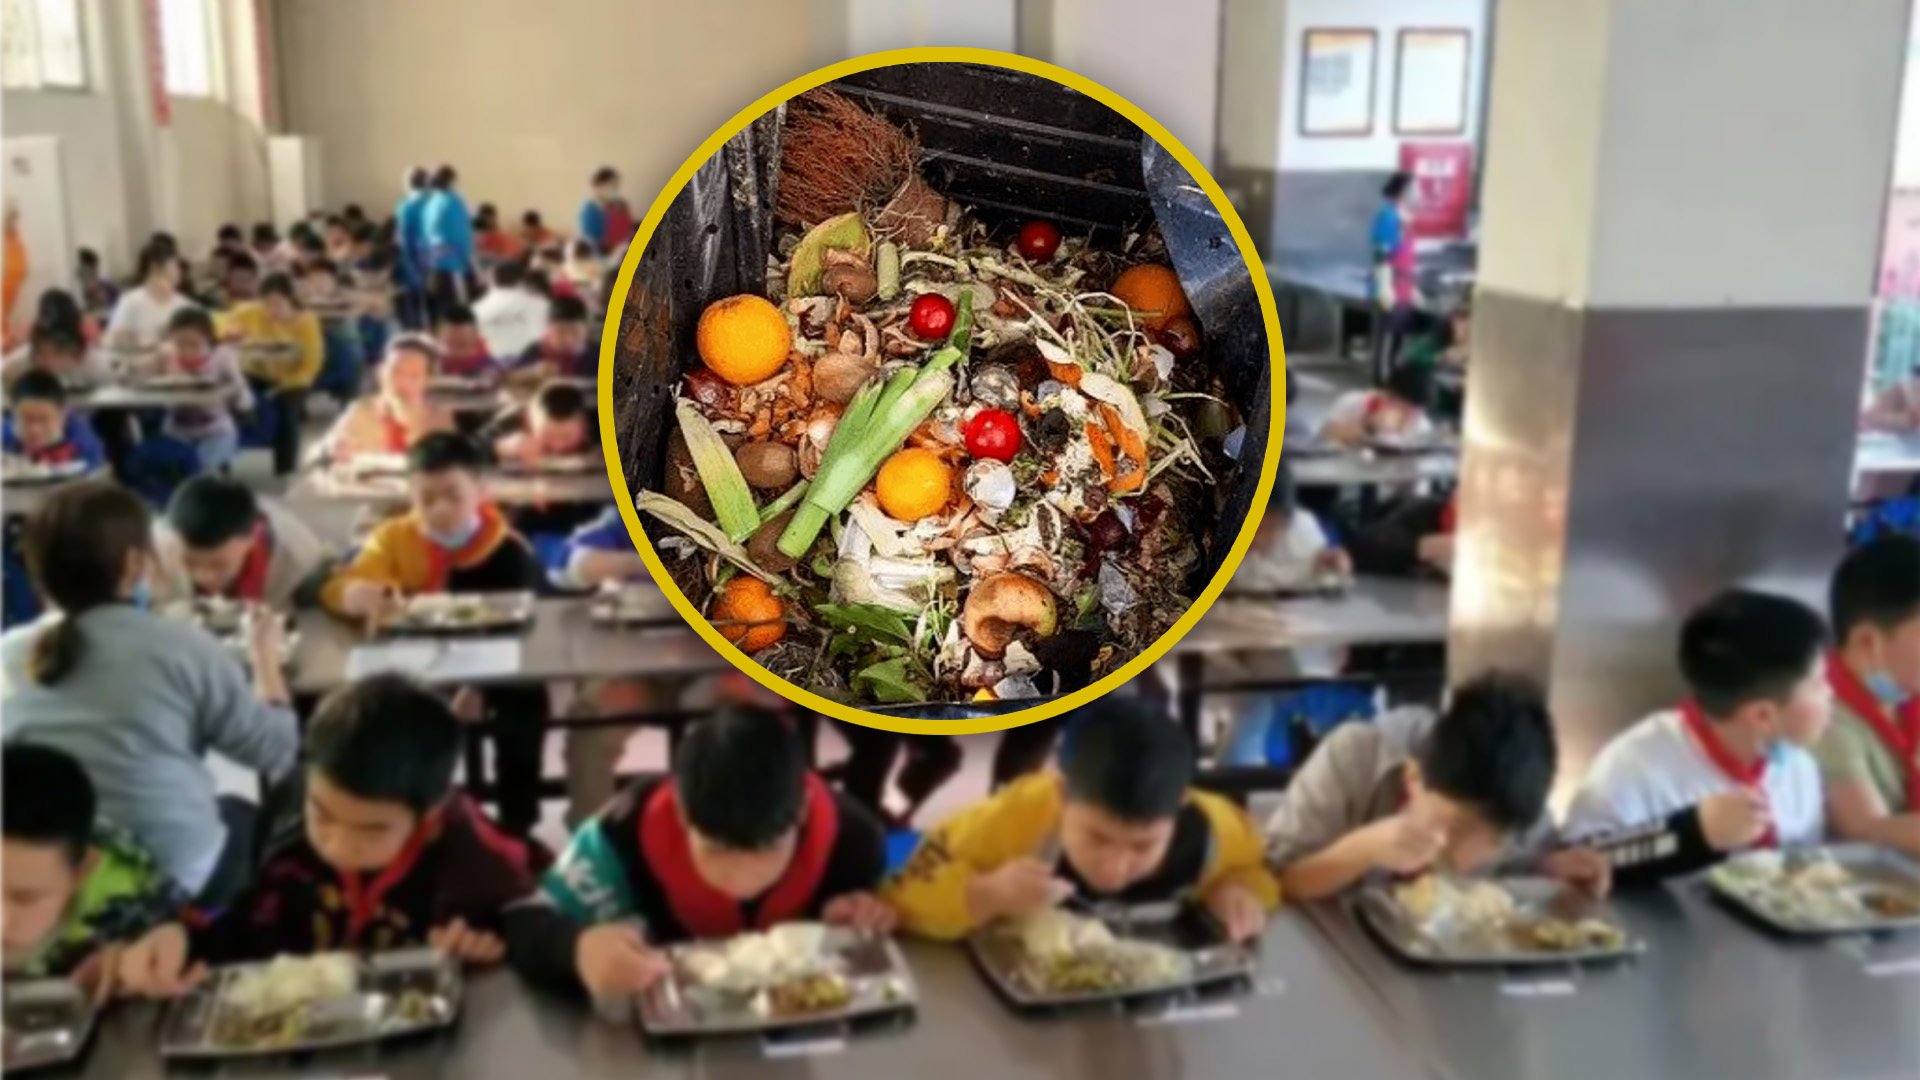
1554 710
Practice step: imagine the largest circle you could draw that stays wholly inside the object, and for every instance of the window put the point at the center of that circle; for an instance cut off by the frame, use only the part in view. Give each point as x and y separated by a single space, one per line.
42 45
186 37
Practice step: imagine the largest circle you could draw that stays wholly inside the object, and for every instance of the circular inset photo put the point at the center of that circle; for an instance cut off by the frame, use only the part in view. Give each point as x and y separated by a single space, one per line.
942 390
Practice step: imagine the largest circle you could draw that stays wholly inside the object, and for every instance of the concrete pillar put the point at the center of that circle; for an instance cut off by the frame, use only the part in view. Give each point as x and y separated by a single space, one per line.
1682 211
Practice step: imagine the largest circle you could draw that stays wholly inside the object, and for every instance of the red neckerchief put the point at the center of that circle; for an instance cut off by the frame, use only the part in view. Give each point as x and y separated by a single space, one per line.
441 563
394 430
1753 776
57 454
1450 515
1899 733
363 899
705 911
251 582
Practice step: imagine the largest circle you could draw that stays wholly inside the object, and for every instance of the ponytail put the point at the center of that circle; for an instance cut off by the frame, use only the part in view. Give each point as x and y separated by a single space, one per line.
56 652
76 546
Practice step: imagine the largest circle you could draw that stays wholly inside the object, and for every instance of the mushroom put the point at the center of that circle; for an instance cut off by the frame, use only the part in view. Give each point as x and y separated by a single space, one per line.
763 546
855 283
769 466
1002 604
837 376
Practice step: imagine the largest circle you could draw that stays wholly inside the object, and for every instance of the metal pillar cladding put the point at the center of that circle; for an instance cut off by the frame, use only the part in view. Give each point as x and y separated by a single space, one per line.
1669 332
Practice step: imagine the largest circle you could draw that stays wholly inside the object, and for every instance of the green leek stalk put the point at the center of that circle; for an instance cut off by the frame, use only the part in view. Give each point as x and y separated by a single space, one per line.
875 423
732 500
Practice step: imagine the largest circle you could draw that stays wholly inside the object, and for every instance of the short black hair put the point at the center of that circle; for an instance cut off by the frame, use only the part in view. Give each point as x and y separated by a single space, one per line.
334 221
741 775
605 174
164 239
1877 584
89 258
265 233
211 510
56 339
444 177
458 315
539 282
46 798
444 451
509 273
323 266
1396 185
36 385
386 739
1494 750
241 260
227 232
416 178
561 401
154 256
278 284
300 232
567 308
531 219
353 212
581 248
1744 646
1128 759
1412 383
191 318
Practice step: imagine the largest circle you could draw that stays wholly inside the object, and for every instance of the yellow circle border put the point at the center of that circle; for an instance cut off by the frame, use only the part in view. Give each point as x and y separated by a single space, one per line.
609 342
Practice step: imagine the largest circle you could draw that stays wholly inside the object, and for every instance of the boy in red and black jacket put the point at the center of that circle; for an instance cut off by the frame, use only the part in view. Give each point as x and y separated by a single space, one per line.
743 836
390 854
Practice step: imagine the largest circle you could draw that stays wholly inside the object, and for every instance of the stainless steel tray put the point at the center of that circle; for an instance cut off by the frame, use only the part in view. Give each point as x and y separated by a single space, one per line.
464 613
47 1022
1319 587
174 382
1534 897
407 992
875 973
651 607
21 474
561 465
1007 967
1877 870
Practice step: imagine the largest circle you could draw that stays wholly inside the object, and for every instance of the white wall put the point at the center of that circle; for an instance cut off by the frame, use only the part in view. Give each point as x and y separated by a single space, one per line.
127 177
873 25
524 103
1164 58
1386 18
1906 162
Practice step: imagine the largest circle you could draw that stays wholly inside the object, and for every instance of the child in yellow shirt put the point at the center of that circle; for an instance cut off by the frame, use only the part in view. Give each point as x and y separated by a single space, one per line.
1118 822
281 351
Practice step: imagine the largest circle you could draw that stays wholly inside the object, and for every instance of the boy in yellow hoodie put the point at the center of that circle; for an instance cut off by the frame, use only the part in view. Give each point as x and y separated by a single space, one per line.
455 541
281 351
1118 822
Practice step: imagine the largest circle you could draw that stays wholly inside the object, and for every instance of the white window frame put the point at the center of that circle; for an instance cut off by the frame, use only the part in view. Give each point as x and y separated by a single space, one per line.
175 38
22 29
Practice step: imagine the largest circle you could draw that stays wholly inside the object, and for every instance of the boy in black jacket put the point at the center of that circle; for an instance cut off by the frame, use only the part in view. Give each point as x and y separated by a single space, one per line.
741 837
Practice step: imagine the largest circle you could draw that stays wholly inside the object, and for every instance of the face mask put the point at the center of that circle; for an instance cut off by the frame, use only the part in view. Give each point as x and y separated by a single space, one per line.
1884 688
142 596
457 539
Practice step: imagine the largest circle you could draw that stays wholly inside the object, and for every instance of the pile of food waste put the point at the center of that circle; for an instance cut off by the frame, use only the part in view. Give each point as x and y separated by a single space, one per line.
939 462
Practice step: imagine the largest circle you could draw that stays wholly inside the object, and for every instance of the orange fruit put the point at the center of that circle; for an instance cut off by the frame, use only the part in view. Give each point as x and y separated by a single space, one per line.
743 339
1153 292
748 614
913 484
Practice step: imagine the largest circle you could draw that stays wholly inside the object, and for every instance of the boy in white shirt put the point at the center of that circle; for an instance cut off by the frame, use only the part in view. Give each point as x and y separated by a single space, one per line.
511 316
1727 769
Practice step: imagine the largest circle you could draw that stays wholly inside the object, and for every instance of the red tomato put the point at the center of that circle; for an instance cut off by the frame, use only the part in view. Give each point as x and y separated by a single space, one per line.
931 317
993 433
1038 240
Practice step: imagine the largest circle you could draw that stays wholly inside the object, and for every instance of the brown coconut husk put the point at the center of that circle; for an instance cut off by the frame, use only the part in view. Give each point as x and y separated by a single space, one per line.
836 157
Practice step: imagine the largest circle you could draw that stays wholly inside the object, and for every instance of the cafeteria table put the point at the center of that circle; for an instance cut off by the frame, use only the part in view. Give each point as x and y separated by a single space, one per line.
1884 452
564 642
1372 469
1305 1015
23 499
1712 998
1375 611
134 395
321 483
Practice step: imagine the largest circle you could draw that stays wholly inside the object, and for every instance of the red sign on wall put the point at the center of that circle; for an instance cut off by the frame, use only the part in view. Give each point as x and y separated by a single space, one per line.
1442 186
157 65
